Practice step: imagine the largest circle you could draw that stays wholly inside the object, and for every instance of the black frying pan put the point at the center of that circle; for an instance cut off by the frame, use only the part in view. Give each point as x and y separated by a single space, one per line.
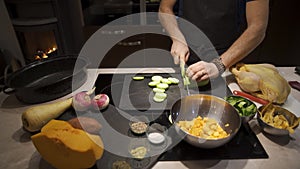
46 80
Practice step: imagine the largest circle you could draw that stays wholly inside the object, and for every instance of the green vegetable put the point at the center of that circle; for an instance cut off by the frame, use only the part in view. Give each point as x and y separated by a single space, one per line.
173 80
156 78
162 85
138 78
165 80
159 97
244 106
153 83
182 69
158 90
186 81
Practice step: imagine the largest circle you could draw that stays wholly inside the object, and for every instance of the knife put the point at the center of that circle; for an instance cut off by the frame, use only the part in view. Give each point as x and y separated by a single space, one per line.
185 78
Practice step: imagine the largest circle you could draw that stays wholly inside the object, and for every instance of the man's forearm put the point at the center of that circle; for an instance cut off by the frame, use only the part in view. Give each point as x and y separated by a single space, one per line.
169 22
246 43
252 36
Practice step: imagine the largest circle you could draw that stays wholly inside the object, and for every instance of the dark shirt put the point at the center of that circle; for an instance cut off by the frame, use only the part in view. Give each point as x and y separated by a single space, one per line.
221 21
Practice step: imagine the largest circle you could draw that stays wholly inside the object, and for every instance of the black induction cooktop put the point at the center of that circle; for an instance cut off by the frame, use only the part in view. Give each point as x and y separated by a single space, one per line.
245 145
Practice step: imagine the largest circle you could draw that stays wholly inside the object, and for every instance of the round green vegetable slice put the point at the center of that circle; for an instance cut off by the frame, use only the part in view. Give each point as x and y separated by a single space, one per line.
160 95
158 99
165 80
153 83
173 80
138 77
162 85
158 90
156 78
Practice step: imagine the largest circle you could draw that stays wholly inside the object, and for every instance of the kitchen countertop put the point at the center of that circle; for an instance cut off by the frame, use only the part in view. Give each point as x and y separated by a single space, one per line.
17 151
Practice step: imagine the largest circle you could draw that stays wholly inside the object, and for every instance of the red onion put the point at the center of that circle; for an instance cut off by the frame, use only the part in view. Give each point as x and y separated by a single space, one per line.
100 101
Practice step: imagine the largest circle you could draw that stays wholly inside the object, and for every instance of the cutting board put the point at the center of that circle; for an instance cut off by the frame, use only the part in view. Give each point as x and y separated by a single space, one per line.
138 95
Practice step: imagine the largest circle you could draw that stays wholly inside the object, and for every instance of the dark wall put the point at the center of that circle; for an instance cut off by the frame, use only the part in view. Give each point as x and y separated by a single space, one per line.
281 45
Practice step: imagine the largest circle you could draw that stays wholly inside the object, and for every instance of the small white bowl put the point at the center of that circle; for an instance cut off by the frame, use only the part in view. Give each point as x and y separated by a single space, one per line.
156 133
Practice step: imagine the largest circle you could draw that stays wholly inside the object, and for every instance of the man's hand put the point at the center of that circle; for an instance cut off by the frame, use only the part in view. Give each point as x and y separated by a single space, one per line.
202 70
179 51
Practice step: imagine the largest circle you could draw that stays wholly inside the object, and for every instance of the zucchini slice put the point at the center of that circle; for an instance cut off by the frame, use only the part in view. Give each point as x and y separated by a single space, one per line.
158 90
162 86
158 99
153 83
138 77
161 95
166 80
173 80
156 78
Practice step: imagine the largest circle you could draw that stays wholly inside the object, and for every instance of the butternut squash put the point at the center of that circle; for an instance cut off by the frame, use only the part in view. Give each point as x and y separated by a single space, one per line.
34 118
65 147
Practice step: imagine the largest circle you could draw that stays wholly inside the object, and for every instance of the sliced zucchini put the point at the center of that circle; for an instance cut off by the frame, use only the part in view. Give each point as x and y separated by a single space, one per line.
153 83
186 81
182 69
161 95
158 90
162 85
156 78
138 77
173 80
158 99
166 80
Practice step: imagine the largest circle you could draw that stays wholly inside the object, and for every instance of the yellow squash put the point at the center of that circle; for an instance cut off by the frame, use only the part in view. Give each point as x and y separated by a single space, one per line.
65 147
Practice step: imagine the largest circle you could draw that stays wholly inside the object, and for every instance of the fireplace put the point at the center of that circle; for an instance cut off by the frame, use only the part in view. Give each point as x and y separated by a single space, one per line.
47 28
38 45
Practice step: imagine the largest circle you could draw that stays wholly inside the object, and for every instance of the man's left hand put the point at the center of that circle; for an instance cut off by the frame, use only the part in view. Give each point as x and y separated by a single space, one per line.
202 70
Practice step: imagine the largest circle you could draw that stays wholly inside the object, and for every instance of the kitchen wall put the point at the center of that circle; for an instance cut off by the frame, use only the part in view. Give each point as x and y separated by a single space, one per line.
280 46
8 41
282 41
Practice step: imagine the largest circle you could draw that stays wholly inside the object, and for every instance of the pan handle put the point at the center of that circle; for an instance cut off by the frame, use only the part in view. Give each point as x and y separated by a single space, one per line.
8 90
253 98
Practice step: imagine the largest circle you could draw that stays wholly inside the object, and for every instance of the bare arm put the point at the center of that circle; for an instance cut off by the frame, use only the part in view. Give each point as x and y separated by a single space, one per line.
257 12
179 49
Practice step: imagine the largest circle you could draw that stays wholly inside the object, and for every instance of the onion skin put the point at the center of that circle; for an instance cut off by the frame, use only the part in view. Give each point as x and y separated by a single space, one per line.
81 101
100 101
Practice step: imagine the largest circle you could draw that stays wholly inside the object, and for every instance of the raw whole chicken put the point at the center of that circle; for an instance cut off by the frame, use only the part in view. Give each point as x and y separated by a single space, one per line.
263 81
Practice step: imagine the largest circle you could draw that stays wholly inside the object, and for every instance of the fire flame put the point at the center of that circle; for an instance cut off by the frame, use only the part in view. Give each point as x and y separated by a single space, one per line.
51 50
43 54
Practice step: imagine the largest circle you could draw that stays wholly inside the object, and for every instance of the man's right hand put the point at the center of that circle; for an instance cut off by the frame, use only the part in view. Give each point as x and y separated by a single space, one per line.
180 51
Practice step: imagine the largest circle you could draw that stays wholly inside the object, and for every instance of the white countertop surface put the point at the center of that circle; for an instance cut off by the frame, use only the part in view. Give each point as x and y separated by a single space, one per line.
18 152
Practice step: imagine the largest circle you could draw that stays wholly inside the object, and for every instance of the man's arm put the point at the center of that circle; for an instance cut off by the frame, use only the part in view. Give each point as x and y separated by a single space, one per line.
257 12
179 49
